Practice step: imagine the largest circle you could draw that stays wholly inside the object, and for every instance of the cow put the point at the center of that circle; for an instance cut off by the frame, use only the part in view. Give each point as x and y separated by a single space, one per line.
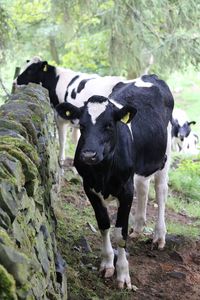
181 129
124 137
65 85
190 144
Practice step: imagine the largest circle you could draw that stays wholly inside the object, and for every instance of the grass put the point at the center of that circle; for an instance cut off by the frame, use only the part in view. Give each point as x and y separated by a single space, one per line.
186 230
191 209
82 267
186 90
185 177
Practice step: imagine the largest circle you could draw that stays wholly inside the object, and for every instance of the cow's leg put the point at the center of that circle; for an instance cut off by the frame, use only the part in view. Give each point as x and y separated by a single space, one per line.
75 135
62 136
107 263
141 184
121 232
161 188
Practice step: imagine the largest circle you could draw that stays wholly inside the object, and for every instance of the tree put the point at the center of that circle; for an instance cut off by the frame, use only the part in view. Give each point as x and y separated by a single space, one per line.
124 37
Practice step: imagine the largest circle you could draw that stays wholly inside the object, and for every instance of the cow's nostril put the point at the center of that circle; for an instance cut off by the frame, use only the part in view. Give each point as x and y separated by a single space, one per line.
89 154
89 157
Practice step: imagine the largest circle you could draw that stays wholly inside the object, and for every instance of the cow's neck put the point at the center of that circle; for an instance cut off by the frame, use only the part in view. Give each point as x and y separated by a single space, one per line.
49 81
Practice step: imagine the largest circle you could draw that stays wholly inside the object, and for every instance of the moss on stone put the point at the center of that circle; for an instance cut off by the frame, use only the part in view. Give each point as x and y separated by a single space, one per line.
13 125
7 285
5 238
32 177
26 147
11 169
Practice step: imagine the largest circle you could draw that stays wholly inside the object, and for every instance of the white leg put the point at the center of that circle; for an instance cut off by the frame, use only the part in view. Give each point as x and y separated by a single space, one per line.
75 135
142 188
107 264
161 188
62 135
122 265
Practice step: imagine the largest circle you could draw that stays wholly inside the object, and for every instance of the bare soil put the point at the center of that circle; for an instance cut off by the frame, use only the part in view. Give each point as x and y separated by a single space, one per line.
170 274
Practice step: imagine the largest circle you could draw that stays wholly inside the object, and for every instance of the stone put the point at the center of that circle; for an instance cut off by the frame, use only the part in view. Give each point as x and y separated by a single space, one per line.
8 199
7 285
31 266
5 221
16 263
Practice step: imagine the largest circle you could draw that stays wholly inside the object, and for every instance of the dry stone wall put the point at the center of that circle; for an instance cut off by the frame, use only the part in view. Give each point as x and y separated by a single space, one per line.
31 266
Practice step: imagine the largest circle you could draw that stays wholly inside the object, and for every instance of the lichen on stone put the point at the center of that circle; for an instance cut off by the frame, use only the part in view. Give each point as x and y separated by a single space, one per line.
7 285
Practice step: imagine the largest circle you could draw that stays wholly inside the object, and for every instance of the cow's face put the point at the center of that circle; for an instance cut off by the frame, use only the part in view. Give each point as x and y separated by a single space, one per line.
33 72
185 130
99 120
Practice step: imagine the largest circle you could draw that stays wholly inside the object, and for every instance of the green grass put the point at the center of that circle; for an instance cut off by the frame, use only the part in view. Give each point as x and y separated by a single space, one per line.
186 230
186 90
191 209
185 177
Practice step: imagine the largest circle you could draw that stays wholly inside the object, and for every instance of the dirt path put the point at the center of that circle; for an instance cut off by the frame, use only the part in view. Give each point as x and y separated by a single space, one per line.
171 274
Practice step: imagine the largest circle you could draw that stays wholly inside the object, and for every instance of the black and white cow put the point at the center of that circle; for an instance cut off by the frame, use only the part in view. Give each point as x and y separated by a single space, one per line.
190 144
181 129
124 137
65 85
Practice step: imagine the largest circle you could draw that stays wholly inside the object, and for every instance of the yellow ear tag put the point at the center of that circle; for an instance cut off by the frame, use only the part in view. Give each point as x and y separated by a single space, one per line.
67 113
45 68
126 118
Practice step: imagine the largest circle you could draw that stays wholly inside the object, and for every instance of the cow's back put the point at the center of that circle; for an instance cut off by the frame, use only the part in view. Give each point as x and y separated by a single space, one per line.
154 106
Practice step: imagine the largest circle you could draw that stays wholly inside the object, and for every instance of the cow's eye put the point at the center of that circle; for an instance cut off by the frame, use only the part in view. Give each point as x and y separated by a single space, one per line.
109 126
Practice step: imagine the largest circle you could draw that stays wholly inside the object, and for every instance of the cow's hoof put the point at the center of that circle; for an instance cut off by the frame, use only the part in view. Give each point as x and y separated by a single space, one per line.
124 284
134 235
160 242
107 272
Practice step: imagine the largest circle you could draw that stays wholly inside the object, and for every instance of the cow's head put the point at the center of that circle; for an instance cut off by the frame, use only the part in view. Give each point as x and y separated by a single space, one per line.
34 72
183 130
99 121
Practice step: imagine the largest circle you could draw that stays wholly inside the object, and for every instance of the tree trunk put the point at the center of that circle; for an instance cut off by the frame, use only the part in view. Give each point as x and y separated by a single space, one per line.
53 50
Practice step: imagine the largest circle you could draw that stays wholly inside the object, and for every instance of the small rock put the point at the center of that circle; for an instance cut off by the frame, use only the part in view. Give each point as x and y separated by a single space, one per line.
91 227
177 275
196 258
176 256
84 245
134 288
77 248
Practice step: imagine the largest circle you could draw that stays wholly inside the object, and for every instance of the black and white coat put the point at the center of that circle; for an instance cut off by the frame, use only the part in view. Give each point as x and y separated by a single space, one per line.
124 136
183 139
65 85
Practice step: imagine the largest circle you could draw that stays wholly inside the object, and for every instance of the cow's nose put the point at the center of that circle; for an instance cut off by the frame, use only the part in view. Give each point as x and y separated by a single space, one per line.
181 138
89 157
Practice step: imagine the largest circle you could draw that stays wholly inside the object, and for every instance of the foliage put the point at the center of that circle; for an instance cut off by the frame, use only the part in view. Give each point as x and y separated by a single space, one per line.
114 36
185 178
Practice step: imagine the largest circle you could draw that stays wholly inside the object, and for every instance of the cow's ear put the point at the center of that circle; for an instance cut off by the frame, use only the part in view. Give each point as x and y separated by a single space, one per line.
68 111
192 123
125 114
45 66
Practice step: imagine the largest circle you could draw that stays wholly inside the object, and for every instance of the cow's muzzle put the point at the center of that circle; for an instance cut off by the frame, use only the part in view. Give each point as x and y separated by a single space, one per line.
89 157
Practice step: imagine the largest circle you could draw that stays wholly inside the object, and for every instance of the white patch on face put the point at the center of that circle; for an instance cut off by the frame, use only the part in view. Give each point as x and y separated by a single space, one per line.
96 109
139 82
